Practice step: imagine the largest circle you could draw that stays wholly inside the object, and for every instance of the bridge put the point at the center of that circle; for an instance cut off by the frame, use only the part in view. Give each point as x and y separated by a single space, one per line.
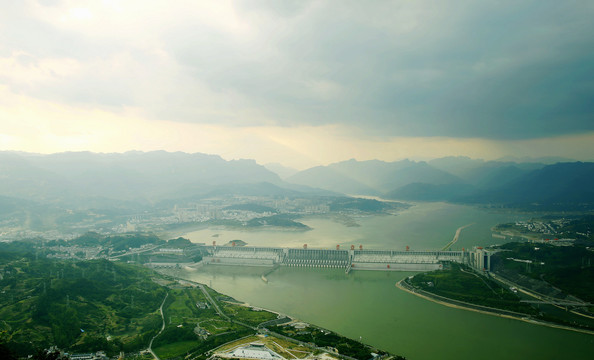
353 259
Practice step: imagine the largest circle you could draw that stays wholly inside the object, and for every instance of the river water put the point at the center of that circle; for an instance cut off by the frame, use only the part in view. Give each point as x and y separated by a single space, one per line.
367 305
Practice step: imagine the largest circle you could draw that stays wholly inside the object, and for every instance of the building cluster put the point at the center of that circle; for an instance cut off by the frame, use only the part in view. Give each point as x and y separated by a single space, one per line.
204 210
543 227
79 252
221 209
55 353
537 226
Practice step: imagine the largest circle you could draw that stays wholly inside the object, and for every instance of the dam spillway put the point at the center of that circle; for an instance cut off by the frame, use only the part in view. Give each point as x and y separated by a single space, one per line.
353 259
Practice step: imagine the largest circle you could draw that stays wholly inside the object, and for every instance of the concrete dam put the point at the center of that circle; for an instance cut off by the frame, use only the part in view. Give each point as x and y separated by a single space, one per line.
353 259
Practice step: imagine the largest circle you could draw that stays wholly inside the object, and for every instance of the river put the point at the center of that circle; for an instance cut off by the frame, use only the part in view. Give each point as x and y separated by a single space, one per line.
367 305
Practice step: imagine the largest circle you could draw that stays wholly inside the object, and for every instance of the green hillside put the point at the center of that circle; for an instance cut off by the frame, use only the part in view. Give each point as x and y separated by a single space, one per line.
87 306
77 305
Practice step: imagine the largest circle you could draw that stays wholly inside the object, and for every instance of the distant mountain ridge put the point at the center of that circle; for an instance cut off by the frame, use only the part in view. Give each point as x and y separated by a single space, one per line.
282 171
96 180
484 174
132 176
372 177
459 179
561 183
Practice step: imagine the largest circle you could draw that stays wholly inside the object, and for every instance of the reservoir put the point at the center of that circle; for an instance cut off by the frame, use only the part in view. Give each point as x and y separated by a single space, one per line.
368 306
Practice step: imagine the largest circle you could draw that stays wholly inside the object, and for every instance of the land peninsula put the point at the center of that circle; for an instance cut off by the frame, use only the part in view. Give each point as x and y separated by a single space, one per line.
117 307
539 282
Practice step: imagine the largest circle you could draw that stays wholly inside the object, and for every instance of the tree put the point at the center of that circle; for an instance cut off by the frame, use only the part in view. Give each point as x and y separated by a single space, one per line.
53 354
6 354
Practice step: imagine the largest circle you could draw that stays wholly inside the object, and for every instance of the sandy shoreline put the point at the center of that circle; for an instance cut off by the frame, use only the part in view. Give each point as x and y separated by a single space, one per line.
530 321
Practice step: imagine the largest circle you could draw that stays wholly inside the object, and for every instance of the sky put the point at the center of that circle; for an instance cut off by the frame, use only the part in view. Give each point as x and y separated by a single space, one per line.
301 83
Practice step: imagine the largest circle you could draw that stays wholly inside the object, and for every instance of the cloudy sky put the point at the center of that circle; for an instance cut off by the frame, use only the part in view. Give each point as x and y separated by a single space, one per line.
297 82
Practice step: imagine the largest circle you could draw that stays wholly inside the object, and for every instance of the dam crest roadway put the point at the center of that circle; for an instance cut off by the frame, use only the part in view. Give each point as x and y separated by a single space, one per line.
353 259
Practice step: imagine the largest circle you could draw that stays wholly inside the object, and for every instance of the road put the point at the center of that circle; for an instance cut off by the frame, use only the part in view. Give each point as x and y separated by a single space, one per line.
544 299
206 294
212 302
218 310
482 309
150 347
134 252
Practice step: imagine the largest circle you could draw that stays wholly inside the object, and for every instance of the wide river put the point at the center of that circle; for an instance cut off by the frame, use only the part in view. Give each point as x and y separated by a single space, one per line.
367 305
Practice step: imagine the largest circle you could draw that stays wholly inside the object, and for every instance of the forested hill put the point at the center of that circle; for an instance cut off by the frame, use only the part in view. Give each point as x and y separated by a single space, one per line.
564 185
87 306
75 304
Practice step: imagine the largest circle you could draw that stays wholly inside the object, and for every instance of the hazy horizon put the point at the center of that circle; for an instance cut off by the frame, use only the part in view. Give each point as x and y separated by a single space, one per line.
508 158
301 83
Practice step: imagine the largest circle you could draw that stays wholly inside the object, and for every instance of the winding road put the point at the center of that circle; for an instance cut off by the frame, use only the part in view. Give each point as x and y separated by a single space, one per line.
150 347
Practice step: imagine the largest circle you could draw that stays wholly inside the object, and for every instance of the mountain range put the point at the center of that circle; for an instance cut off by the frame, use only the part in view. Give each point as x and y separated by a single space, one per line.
102 180
91 179
459 179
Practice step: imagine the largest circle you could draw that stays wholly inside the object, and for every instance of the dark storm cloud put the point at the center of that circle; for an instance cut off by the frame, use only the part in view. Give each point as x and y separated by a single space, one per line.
490 69
494 70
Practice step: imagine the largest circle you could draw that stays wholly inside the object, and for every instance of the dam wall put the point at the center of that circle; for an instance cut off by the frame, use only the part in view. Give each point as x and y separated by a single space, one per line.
378 260
316 258
397 266
209 260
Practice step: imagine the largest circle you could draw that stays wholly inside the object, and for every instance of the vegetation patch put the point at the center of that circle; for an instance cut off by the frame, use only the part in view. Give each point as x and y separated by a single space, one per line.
461 283
247 314
175 349
87 306
569 268
78 305
326 339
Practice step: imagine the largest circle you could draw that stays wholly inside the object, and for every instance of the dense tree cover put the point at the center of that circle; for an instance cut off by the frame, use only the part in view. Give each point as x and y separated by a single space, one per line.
16 250
570 268
460 283
50 355
86 306
174 334
6 353
76 304
360 204
180 242
581 229
282 220
115 242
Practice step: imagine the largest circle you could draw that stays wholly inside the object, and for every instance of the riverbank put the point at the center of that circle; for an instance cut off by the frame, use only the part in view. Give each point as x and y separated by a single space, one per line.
456 304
